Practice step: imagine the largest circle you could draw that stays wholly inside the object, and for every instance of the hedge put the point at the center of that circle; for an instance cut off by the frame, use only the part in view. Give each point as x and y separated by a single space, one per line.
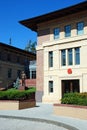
75 99
14 94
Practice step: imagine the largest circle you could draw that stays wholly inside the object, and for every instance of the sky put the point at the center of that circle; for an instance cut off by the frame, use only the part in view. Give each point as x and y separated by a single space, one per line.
13 11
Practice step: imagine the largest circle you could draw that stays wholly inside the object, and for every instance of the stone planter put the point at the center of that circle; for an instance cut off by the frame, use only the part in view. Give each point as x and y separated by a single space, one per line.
16 105
74 111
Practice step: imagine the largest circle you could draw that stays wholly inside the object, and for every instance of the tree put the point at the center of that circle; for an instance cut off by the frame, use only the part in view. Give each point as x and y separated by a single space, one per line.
31 47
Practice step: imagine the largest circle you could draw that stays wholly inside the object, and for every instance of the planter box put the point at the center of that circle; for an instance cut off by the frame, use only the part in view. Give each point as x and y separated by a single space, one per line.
16 105
71 111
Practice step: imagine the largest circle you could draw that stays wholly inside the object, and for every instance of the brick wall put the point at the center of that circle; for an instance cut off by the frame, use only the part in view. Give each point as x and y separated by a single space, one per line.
30 82
39 76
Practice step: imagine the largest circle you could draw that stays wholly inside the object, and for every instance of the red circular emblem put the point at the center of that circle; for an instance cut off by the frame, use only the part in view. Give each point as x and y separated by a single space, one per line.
69 71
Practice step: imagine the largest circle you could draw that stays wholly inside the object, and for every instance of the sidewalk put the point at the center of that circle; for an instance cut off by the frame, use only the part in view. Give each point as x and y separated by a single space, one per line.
44 113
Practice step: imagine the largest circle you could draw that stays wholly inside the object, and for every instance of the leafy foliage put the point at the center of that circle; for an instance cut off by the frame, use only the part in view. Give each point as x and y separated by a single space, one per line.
75 98
14 94
31 47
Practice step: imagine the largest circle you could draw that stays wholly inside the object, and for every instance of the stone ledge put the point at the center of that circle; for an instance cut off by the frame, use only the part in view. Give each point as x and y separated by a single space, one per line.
75 111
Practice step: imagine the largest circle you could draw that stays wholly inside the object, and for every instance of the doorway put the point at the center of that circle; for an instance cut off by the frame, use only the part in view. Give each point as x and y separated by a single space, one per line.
70 86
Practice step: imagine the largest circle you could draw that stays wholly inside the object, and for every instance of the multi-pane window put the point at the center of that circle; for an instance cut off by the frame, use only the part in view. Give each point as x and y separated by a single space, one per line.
51 86
73 54
63 57
9 73
56 33
77 56
51 59
67 31
80 28
70 57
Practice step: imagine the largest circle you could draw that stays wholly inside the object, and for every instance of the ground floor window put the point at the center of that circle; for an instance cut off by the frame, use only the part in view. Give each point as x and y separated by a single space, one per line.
9 73
51 86
70 86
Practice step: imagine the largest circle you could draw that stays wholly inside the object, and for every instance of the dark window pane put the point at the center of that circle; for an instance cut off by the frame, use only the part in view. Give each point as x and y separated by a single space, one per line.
51 86
70 57
67 31
63 57
50 59
77 56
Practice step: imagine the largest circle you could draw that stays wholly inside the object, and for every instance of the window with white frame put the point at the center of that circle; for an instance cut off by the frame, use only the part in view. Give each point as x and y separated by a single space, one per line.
51 59
72 57
63 57
56 33
77 56
80 28
51 86
67 30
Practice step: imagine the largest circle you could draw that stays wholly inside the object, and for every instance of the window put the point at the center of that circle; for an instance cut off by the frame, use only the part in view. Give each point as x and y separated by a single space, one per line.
51 86
73 54
19 73
80 28
33 74
9 73
77 56
63 57
70 57
68 31
51 59
0 55
18 59
56 33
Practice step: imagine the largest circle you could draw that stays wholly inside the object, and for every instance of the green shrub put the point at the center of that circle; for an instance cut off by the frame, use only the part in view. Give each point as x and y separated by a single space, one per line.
14 94
75 98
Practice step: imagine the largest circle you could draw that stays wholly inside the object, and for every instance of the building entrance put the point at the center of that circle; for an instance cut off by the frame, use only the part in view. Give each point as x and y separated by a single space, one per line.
70 86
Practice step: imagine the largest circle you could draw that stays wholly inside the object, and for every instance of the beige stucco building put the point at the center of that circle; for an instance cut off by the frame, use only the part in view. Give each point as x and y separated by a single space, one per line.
61 52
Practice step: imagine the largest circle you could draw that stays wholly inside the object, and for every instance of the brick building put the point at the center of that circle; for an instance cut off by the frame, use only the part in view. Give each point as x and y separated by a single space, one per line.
61 51
12 62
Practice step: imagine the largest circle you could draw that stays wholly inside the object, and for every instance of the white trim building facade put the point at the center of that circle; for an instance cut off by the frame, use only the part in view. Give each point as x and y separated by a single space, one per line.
61 52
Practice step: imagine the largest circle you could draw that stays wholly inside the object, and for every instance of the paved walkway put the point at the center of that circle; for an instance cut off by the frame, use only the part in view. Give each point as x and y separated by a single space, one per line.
40 116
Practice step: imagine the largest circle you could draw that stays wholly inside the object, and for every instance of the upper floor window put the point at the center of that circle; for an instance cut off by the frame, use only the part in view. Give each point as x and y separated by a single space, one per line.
51 59
67 31
56 33
0 55
9 57
80 28
63 57
51 86
77 56
70 57
18 59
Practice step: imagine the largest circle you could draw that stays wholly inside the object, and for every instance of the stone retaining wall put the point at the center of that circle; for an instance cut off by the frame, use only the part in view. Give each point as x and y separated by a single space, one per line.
71 111
16 105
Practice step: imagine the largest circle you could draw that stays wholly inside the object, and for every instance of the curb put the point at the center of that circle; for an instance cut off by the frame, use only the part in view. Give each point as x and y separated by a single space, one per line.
42 121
